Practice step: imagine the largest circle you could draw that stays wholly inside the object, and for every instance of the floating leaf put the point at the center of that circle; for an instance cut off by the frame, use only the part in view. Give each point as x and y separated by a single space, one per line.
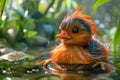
97 4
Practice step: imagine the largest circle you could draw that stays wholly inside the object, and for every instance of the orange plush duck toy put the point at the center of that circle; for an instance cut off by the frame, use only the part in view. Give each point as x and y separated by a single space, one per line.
78 45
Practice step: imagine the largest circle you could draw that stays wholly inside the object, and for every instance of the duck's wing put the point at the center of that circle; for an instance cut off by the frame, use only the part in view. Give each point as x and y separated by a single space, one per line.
95 48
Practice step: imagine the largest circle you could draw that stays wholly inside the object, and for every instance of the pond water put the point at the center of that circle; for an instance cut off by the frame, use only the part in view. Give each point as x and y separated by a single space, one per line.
25 69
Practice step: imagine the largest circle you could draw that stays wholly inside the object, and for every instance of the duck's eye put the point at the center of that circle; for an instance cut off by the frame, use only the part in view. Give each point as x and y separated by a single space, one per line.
75 30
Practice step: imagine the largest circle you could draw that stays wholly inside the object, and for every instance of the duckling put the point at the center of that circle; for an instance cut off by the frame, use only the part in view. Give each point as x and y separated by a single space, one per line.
78 44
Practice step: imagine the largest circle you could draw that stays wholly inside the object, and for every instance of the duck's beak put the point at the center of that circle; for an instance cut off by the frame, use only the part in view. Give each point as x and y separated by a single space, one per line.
63 35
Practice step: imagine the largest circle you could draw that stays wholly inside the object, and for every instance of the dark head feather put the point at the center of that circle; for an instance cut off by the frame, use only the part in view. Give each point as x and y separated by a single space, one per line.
84 20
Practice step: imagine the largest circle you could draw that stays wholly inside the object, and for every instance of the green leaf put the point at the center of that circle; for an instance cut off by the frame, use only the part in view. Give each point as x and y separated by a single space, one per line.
116 39
63 5
74 4
97 4
68 4
2 4
42 7
0 22
117 67
30 34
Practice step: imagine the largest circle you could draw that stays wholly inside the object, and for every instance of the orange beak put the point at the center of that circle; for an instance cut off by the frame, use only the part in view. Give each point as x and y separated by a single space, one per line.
63 35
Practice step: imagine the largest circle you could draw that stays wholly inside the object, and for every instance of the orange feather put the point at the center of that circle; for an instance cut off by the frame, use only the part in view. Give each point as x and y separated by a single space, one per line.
70 55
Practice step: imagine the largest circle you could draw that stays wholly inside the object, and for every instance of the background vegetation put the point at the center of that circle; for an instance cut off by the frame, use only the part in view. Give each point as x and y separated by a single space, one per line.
22 21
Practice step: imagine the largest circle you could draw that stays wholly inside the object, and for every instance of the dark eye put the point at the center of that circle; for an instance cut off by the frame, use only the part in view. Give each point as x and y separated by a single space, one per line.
75 30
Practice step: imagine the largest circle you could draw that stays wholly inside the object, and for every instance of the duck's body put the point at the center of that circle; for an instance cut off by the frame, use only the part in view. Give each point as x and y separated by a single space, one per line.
72 54
86 57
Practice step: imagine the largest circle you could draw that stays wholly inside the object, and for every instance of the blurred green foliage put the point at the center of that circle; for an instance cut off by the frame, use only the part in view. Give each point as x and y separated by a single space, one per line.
23 20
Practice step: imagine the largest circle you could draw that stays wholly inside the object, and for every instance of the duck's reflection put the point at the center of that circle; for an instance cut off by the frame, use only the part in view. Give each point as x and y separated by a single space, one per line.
74 72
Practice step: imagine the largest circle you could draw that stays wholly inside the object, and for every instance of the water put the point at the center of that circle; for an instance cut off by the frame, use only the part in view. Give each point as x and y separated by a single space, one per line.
26 70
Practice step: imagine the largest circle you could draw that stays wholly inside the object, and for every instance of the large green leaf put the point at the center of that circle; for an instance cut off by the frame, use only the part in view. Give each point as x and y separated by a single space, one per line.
2 4
97 4
116 39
